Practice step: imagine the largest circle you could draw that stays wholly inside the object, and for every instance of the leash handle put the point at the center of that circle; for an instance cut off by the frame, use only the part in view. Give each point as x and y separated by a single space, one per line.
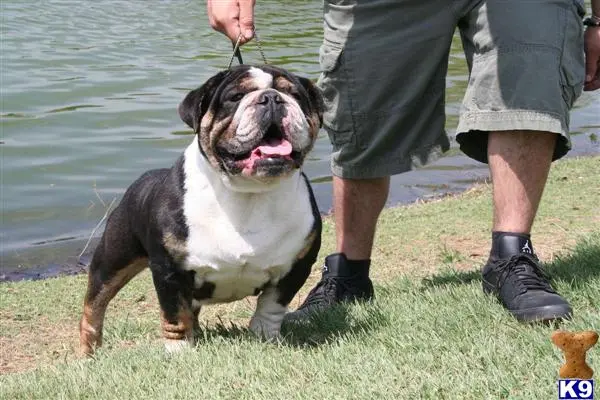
238 54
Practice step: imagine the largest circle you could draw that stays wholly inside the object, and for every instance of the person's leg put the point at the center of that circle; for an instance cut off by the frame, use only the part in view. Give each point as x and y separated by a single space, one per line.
515 116
384 66
519 163
357 204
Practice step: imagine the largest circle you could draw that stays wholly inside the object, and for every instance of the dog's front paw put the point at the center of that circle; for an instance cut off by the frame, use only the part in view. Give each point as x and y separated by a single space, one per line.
267 319
265 329
173 346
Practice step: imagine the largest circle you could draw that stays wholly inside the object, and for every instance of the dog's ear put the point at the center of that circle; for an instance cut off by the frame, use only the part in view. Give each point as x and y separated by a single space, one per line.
195 104
314 95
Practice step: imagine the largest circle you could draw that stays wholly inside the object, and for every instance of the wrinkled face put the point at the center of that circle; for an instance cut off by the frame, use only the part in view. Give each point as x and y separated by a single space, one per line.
254 121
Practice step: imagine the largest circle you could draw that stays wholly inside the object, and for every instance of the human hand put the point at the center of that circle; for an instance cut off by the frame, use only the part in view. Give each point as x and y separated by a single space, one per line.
592 58
232 17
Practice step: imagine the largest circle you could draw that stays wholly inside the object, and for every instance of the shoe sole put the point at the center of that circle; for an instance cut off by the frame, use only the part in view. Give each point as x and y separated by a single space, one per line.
542 314
307 316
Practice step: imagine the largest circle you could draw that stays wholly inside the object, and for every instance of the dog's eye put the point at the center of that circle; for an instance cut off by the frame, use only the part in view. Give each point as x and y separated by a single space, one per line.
236 97
295 95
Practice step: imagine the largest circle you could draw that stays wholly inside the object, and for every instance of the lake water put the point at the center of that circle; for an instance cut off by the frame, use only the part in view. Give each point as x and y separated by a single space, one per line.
89 96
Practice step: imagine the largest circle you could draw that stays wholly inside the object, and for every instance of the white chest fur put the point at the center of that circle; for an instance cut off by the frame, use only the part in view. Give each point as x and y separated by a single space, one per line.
241 235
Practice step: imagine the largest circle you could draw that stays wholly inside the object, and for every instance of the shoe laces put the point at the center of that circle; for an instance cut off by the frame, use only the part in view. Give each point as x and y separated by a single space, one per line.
328 290
525 271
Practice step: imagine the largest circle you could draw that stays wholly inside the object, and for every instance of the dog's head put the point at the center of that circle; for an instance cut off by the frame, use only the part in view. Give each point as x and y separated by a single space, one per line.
256 122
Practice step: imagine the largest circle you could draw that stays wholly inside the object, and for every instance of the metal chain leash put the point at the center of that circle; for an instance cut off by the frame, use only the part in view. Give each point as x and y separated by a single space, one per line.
237 53
260 50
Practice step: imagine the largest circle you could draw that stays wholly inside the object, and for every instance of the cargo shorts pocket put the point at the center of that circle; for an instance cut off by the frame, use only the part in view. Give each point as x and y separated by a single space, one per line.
335 85
572 68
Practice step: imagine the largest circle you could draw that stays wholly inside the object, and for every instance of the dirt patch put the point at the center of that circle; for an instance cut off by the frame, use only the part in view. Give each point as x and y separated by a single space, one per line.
37 342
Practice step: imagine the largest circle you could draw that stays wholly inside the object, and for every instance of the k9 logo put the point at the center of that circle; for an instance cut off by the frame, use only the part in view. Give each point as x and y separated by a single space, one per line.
576 389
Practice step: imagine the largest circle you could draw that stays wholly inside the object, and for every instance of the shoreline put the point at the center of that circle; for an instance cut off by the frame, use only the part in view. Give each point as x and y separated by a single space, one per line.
72 265
60 258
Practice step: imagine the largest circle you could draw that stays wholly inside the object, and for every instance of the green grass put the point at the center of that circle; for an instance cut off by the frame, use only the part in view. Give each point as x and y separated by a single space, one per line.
431 333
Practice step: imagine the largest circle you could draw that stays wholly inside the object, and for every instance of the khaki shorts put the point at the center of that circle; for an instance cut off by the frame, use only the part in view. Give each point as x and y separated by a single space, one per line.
384 66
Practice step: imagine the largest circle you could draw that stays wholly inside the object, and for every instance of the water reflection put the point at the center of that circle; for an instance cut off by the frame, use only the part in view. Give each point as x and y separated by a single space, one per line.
89 103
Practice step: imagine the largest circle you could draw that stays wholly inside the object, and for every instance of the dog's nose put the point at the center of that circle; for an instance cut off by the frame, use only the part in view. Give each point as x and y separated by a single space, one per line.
270 96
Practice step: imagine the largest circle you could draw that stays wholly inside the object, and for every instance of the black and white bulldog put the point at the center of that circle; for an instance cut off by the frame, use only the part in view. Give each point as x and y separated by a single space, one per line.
233 217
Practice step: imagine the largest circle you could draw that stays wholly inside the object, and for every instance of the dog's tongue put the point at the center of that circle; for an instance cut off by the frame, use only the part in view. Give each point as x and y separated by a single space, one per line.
271 148
276 147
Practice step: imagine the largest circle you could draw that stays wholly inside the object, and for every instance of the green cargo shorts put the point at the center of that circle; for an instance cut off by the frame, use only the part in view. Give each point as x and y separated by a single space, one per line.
384 65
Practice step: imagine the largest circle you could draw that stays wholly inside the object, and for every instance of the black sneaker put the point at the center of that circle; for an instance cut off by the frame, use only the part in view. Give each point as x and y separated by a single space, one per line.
339 283
522 286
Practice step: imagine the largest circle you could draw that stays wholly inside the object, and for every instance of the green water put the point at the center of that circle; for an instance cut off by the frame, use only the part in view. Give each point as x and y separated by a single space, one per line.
89 96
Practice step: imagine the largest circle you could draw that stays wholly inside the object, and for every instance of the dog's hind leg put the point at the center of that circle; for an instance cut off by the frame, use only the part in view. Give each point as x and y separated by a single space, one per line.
117 259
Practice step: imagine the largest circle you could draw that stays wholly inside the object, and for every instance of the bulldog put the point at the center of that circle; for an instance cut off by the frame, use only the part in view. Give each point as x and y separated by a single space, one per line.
233 217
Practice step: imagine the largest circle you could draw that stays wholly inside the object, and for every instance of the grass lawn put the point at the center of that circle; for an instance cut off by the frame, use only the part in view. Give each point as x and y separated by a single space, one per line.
431 333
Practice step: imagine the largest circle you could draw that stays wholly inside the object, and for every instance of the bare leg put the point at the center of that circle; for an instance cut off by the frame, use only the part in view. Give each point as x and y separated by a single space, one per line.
357 205
519 164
